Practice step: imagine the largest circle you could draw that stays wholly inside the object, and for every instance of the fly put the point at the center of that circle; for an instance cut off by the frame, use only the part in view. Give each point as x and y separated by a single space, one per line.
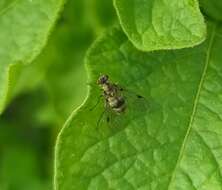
112 95
115 102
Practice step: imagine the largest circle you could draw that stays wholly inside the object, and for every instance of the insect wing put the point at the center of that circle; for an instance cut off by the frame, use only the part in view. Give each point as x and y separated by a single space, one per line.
111 119
137 105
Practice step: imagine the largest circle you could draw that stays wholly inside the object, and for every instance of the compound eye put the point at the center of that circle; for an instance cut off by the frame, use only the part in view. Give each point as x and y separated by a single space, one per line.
103 79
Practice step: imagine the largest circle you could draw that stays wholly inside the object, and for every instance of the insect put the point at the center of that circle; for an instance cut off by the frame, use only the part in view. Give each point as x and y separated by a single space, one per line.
115 102
111 92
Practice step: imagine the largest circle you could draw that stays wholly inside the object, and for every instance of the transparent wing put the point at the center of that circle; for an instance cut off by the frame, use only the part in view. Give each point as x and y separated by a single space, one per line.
109 118
137 105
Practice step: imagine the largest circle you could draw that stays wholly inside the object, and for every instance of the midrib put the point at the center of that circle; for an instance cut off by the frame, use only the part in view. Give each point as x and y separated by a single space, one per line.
194 106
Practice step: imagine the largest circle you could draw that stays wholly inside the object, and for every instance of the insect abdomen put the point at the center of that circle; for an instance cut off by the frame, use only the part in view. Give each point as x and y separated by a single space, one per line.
117 104
120 109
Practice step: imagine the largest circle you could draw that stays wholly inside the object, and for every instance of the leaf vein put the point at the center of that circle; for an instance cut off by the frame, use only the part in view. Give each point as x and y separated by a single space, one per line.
213 155
3 11
183 146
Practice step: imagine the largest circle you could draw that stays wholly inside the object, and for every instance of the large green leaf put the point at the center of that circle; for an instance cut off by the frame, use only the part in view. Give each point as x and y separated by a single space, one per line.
24 27
175 144
156 24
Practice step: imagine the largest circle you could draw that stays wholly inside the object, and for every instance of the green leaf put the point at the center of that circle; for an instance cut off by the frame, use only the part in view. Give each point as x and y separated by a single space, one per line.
156 25
175 144
61 61
212 8
24 27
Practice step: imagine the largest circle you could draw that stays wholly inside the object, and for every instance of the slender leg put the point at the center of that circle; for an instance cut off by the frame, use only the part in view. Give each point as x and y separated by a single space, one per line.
108 119
100 118
96 103
102 114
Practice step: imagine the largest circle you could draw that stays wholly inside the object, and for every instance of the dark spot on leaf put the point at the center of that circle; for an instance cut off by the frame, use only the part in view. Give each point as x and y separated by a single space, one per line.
138 96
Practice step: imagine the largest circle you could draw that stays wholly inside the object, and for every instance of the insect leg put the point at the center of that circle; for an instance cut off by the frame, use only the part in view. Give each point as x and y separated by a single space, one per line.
108 119
100 118
102 114
96 103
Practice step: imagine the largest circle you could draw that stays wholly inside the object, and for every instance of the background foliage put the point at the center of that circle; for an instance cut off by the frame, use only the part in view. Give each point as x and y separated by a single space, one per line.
43 94
37 98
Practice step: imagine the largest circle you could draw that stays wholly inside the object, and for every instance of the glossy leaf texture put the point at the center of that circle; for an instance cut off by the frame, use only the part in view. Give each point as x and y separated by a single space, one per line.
173 145
24 28
158 25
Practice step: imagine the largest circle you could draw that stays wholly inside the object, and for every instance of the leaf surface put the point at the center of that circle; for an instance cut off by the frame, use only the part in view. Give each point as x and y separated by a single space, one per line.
24 27
174 145
157 24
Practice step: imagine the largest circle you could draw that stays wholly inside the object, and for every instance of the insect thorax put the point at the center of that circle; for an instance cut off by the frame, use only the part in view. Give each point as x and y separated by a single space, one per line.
110 89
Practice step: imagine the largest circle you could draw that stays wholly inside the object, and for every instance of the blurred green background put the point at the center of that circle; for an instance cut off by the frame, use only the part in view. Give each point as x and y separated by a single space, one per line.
44 93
